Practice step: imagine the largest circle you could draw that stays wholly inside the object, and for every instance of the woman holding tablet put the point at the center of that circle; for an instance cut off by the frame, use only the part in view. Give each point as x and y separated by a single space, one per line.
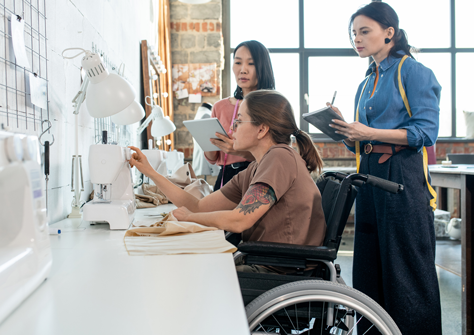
274 199
397 115
253 71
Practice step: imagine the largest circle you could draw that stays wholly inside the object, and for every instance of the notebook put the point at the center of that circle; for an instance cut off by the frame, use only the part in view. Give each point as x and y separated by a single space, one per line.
321 119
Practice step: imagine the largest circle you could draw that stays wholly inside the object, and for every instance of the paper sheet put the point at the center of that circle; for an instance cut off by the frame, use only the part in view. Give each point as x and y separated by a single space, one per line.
182 94
195 98
18 41
38 91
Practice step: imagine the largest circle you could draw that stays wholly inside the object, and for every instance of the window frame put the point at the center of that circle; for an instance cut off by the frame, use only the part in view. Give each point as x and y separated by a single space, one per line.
306 53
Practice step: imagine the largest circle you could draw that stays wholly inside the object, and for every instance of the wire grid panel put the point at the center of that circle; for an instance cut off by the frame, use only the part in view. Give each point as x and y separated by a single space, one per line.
15 103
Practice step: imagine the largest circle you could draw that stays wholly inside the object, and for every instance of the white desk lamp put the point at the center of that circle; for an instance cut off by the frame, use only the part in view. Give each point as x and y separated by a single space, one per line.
161 125
107 94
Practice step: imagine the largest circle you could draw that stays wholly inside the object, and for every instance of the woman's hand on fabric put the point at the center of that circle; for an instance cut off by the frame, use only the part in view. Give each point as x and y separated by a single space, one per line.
182 213
140 161
354 131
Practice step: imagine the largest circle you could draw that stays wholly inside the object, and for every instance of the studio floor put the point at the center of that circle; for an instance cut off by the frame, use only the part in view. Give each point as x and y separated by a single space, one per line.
448 266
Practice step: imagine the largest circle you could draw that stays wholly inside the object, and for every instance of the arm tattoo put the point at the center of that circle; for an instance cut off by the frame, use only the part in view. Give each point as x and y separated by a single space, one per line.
256 196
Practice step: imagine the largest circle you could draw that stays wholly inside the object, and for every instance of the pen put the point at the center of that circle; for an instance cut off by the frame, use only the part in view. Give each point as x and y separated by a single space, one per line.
333 98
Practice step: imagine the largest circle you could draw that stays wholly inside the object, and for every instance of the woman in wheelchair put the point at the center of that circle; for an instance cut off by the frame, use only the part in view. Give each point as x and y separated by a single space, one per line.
275 198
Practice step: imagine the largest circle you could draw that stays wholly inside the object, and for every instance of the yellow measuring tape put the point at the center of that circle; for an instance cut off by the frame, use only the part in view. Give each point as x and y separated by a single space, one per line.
407 106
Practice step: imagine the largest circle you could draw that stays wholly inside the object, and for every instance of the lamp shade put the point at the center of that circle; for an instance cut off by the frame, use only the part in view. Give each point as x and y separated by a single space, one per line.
161 126
129 115
107 93
108 97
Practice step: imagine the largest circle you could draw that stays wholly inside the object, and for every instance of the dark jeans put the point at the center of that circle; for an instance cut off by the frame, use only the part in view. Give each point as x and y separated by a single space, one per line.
394 245
230 171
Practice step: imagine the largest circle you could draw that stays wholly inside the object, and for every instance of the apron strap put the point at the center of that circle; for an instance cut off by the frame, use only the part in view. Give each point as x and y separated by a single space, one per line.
230 131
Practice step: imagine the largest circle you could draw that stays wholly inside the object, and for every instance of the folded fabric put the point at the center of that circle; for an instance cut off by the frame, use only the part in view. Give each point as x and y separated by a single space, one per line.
170 236
146 201
184 177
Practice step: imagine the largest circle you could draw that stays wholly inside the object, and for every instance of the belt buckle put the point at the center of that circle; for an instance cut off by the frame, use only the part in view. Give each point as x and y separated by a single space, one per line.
368 148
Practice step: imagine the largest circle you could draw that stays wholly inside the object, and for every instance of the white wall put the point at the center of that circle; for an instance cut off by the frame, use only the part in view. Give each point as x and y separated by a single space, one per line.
116 27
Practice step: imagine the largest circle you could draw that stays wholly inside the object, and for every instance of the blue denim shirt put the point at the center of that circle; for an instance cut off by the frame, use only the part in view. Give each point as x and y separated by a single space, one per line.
386 110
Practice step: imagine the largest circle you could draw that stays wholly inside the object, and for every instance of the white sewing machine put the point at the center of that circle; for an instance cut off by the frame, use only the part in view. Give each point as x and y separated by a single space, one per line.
114 200
25 252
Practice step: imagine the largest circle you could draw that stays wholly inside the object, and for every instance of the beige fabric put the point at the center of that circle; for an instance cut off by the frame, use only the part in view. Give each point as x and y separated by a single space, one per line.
184 177
169 236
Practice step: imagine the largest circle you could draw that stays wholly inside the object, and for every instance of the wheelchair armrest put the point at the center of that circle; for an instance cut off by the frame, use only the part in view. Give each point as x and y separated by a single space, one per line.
288 250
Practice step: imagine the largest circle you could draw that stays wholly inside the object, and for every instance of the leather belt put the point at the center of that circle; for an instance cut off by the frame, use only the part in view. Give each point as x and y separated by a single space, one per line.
386 149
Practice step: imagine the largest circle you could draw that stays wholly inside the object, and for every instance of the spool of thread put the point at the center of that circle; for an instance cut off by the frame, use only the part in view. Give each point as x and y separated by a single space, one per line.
54 231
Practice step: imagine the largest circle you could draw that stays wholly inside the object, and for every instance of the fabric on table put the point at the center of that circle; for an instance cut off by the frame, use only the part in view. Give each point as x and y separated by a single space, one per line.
184 177
169 236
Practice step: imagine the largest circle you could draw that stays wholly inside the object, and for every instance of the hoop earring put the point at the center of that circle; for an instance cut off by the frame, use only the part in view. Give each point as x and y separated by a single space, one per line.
387 40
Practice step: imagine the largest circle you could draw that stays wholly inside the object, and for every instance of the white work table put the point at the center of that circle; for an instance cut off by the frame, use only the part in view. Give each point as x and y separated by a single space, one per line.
95 287
461 176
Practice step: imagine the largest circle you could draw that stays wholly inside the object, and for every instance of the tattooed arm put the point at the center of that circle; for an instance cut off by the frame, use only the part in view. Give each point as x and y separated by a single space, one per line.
256 202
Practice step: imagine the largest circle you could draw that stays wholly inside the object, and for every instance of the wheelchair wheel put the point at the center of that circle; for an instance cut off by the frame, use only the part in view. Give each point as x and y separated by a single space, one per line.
316 307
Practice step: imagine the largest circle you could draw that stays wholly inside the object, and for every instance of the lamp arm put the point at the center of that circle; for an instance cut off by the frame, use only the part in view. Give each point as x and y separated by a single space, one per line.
80 96
147 121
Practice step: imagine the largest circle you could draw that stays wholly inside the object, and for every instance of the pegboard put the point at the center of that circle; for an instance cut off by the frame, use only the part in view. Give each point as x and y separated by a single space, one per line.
16 108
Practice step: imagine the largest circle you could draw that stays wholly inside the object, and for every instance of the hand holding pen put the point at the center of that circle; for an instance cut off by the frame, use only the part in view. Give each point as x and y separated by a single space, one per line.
332 103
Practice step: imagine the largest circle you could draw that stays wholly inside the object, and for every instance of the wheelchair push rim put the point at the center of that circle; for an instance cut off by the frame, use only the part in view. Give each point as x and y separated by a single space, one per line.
270 303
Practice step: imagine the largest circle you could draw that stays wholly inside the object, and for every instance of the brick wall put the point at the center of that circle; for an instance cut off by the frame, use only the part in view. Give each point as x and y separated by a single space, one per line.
196 37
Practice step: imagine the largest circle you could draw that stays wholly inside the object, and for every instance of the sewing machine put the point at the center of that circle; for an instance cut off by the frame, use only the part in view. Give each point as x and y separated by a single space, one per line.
25 252
114 200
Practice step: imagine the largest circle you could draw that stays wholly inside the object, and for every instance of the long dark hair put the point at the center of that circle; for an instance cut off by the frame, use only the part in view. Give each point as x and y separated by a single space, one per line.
263 66
386 17
274 110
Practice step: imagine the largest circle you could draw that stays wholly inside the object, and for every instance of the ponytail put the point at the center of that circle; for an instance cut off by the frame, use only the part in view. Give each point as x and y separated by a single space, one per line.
401 43
308 152
273 109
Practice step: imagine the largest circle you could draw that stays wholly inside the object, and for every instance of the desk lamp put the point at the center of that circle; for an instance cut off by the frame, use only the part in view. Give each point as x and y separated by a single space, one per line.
107 94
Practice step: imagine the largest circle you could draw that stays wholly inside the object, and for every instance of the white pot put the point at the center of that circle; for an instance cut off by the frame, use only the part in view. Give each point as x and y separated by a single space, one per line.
454 228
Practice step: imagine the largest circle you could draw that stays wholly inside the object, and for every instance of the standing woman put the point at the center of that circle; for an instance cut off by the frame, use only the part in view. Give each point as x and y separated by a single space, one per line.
394 246
253 71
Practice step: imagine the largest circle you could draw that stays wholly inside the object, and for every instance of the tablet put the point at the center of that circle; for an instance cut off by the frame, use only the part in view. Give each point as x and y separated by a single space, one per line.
321 120
205 129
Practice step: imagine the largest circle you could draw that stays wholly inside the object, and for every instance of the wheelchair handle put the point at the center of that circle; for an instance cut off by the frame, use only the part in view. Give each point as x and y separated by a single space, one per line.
384 184
358 179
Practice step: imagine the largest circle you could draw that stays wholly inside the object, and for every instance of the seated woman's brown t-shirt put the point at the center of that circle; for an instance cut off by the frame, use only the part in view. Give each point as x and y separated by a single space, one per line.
297 216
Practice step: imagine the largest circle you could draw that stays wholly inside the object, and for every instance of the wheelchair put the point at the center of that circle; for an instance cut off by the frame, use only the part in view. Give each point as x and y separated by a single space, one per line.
313 299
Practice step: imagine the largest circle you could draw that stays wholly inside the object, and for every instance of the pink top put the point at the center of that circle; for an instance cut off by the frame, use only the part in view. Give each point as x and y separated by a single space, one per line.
224 110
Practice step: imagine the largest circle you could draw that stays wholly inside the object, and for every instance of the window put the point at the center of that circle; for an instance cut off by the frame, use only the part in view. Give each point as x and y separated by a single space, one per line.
311 51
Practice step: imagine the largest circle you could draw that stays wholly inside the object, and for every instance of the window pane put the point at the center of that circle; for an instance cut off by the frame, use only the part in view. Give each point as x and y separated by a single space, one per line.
440 64
464 37
286 69
271 22
464 90
324 30
427 25
326 76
